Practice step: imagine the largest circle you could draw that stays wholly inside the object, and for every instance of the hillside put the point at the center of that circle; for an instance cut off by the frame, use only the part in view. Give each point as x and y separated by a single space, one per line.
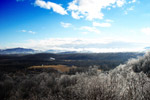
121 83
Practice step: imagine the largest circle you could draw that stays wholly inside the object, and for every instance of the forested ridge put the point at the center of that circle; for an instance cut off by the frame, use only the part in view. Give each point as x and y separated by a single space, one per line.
128 81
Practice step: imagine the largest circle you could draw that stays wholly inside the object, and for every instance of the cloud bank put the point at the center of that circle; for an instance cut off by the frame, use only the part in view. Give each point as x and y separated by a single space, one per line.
84 45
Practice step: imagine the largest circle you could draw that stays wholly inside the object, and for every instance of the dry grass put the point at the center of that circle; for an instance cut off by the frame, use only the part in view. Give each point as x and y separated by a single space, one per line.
99 70
62 68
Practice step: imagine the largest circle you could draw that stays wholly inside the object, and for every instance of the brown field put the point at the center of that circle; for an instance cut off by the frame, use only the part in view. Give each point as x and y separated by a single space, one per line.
62 68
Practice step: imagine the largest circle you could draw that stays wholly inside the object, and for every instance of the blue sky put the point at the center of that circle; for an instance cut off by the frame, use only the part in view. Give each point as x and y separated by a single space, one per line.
75 25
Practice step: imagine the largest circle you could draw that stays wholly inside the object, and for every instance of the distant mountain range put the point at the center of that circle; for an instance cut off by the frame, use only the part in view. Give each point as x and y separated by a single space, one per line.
32 51
18 51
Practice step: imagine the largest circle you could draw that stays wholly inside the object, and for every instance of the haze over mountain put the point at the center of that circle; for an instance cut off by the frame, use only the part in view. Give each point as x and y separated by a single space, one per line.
20 50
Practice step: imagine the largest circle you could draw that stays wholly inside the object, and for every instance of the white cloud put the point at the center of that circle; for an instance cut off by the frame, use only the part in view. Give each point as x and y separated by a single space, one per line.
90 29
101 24
128 9
31 32
50 5
133 1
108 8
146 30
65 25
120 3
23 31
131 8
92 9
75 15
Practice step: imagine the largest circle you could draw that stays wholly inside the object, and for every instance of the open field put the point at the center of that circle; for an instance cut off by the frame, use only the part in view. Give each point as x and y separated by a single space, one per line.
62 68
